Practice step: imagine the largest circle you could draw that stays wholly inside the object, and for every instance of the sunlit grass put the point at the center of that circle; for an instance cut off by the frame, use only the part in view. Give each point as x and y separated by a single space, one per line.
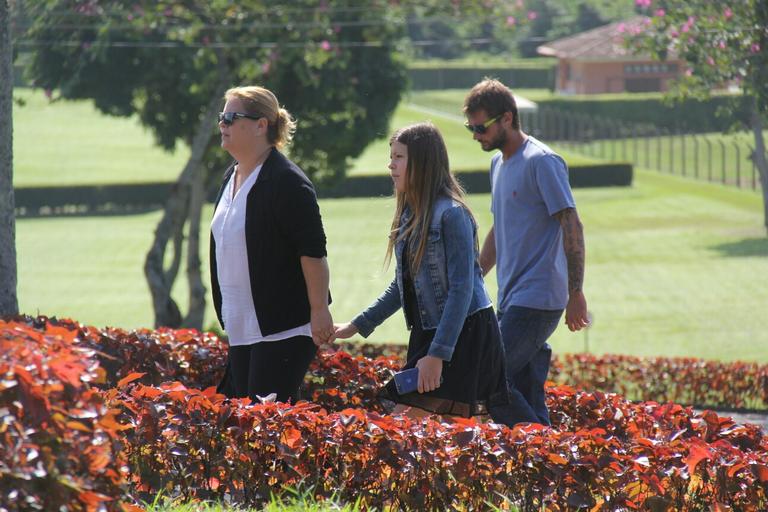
71 143
673 267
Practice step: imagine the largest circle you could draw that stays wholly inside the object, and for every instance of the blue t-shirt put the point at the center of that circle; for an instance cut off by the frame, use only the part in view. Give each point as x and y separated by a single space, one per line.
526 191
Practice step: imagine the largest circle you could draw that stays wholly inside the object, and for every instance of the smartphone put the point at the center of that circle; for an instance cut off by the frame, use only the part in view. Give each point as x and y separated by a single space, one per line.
407 381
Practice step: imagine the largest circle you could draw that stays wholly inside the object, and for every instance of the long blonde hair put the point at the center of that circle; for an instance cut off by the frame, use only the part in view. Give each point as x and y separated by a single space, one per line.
259 101
428 177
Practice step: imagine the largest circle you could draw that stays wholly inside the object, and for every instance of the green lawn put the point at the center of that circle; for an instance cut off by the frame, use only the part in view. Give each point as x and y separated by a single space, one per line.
674 267
71 143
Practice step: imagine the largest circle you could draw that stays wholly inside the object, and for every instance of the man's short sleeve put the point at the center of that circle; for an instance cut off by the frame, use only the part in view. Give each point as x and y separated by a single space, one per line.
552 181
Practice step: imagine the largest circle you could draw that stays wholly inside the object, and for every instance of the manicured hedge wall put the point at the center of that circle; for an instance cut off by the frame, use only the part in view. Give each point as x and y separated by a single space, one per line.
36 201
692 115
614 174
459 78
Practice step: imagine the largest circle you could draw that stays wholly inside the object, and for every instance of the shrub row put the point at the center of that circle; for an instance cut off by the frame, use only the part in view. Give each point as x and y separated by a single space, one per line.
426 78
602 453
701 383
68 445
691 115
60 443
120 198
724 385
196 359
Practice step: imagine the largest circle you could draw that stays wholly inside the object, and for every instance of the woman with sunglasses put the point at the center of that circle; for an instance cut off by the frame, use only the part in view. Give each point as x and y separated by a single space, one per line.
455 341
269 274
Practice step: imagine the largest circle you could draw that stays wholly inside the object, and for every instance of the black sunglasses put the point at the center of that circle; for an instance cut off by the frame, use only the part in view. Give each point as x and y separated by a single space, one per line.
230 117
482 127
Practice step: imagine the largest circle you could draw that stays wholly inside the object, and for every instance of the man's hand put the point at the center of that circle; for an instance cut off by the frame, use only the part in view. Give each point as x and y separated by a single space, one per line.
576 317
430 371
322 325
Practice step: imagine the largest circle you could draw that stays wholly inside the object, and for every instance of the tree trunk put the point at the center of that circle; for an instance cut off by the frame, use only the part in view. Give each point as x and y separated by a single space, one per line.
760 159
8 302
177 209
194 318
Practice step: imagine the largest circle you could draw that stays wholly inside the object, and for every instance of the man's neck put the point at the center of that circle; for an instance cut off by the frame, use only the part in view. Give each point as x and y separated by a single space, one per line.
516 139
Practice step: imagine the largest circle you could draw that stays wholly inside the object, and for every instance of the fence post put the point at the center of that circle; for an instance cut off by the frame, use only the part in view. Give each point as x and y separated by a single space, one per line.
709 158
696 156
671 139
614 141
574 130
722 159
658 150
623 136
648 150
682 152
738 162
635 152
595 135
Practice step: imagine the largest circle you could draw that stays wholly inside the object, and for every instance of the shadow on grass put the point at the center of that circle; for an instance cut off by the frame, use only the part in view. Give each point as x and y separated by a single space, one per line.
742 248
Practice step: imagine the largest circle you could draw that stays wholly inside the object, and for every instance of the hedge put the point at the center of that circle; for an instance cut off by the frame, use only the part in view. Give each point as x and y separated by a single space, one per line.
466 77
723 385
138 437
691 115
107 199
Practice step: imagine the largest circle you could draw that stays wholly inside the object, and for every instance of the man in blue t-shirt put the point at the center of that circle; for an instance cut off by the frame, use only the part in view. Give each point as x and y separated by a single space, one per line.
536 243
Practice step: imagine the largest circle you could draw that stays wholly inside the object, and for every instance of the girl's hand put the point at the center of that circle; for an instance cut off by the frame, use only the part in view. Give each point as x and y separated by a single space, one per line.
343 331
430 371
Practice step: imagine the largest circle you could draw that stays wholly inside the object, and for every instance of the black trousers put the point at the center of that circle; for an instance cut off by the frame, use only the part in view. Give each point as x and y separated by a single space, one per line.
268 367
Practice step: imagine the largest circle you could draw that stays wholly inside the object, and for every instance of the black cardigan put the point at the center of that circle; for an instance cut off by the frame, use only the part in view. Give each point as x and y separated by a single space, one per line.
282 223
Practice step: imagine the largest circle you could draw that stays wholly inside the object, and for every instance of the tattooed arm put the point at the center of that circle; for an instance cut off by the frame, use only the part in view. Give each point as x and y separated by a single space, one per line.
573 244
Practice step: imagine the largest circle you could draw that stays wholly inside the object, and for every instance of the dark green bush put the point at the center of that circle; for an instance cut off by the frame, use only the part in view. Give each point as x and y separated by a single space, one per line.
460 78
690 115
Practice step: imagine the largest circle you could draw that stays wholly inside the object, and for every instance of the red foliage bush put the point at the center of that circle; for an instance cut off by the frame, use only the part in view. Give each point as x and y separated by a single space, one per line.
337 380
65 443
204 446
59 442
697 382
161 355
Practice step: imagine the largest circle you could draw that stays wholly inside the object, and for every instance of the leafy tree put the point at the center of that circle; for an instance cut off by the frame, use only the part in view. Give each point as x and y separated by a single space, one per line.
722 43
333 63
8 301
169 62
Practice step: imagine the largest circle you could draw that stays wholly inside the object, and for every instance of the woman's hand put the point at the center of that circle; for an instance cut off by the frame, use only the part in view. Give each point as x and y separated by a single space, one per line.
343 331
430 371
322 325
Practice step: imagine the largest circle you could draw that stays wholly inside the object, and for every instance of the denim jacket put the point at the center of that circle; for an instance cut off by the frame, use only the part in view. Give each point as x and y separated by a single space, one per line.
448 284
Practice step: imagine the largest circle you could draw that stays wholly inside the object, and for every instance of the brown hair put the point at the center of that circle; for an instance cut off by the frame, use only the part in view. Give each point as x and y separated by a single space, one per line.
428 176
494 98
259 101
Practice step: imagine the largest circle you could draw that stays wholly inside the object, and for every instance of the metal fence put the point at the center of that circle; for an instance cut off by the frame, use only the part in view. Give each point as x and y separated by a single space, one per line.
726 159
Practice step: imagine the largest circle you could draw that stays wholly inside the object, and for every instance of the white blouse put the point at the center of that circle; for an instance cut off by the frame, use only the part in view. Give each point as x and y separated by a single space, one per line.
237 309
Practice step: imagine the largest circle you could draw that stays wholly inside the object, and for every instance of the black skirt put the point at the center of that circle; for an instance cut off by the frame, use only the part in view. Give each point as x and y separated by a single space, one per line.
474 377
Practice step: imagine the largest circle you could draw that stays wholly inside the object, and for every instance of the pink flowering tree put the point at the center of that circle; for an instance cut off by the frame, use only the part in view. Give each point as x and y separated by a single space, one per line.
723 43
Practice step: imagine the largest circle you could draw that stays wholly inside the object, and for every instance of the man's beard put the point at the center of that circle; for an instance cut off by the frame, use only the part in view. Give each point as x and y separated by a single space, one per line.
496 143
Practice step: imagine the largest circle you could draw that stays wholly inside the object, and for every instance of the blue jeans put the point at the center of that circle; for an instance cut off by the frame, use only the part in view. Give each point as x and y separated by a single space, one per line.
524 334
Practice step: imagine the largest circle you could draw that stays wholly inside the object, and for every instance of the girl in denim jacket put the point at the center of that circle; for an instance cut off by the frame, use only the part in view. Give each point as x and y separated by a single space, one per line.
455 341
